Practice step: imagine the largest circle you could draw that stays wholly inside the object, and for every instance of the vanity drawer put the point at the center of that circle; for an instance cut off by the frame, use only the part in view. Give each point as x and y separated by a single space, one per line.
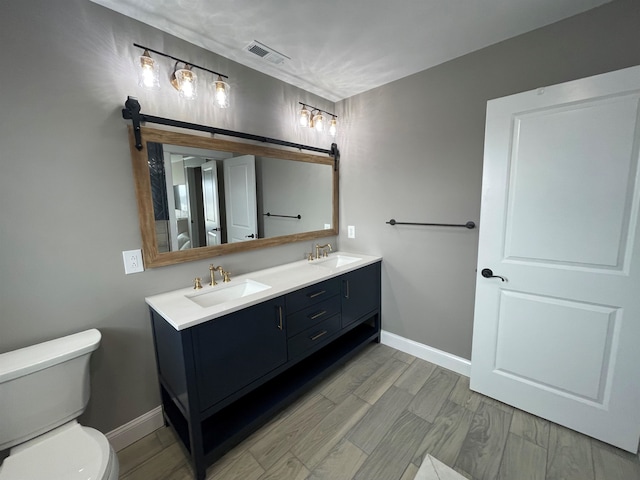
312 294
306 340
312 315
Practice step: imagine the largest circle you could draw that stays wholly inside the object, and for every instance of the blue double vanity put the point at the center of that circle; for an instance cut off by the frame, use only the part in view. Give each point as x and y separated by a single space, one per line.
230 356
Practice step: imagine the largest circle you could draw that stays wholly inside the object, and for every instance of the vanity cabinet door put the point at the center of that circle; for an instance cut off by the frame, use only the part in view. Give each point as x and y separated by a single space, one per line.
234 350
360 293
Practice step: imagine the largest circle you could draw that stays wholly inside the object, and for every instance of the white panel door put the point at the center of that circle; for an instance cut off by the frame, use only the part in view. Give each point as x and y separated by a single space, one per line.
560 337
211 205
240 198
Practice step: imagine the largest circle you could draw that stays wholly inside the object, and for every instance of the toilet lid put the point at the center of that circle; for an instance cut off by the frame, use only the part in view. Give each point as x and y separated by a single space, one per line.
72 452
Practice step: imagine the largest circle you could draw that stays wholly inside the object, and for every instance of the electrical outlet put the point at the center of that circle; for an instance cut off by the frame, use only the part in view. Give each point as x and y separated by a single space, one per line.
327 226
132 261
351 231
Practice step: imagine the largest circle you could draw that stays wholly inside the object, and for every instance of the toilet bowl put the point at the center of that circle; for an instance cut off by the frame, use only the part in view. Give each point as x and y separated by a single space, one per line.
43 389
69 452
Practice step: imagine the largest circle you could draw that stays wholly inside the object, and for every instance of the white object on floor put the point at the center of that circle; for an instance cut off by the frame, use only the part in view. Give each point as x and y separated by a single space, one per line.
434 469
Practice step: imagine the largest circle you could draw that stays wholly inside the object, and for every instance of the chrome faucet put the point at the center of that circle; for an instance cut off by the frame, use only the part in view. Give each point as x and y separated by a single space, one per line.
325 254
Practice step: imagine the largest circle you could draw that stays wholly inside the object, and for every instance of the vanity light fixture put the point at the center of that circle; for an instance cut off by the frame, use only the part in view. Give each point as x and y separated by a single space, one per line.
318 122
148 71
184 79
315 119
221 92
305 116
333 126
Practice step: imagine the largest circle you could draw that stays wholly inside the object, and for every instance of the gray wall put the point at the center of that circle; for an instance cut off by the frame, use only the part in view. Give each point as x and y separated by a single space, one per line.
412 150
67 203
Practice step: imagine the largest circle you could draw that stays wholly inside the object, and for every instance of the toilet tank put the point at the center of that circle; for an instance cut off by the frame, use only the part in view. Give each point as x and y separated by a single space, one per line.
44 386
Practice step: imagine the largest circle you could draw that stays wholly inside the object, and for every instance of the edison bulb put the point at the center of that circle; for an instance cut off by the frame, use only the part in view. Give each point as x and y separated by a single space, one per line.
187 83
333 127
304 117
148 76
221 94
318 123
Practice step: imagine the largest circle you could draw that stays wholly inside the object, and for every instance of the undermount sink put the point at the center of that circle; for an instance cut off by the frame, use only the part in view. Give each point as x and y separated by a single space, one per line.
335 261
211 296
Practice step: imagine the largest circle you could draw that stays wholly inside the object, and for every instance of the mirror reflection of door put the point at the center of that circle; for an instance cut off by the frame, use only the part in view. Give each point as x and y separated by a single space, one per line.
176 191
212 224
196 204
240 197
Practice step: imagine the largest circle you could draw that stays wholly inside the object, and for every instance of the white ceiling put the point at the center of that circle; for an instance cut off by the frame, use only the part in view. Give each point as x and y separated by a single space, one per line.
339 48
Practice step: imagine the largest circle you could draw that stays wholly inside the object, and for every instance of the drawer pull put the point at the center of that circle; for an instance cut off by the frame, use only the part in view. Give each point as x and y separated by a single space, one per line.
316 294
318 335
279 317
318 315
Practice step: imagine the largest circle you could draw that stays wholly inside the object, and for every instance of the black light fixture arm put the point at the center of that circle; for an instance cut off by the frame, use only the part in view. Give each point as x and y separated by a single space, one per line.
131 111
313 109
179 60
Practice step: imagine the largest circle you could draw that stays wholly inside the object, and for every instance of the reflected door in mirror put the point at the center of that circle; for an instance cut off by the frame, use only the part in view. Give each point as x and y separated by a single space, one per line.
240 195
212 224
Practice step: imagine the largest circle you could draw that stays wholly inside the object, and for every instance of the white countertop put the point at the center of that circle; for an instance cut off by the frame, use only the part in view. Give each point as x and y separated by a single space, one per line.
181 312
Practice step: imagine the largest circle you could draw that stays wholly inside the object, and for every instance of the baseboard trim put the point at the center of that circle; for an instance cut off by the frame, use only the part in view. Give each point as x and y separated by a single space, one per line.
443 359
140 427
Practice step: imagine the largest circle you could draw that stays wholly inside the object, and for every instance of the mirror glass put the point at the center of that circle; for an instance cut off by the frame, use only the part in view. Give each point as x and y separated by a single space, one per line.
200 197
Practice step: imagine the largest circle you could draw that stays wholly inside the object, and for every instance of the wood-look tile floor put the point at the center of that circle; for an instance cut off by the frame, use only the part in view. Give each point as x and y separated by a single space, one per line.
377 418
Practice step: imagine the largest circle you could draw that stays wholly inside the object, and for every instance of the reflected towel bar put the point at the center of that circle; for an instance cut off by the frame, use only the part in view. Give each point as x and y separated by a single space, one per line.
468 225
284 216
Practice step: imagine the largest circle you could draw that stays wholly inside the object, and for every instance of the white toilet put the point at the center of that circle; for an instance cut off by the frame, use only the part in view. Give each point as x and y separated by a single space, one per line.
43 389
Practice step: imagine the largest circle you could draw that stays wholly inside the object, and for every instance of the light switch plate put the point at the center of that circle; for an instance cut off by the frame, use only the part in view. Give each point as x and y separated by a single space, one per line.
351 231
132 261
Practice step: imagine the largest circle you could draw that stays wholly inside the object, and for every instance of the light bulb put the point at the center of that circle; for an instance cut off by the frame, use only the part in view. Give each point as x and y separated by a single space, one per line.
333 127
304 117
187 82
148 76
318 122
221 95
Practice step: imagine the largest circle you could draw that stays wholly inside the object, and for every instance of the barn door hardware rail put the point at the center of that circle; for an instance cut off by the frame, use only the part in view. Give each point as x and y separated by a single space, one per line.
470 225
268 214
131 111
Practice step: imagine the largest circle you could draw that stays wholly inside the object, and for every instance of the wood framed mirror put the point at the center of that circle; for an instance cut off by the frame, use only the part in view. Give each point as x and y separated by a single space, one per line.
200 197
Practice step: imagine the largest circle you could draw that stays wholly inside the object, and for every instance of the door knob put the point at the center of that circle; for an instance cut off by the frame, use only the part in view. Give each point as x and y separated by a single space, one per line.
488 273
250 236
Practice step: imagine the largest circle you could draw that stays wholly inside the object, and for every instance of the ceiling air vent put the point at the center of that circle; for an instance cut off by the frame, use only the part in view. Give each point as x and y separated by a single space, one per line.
266 53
